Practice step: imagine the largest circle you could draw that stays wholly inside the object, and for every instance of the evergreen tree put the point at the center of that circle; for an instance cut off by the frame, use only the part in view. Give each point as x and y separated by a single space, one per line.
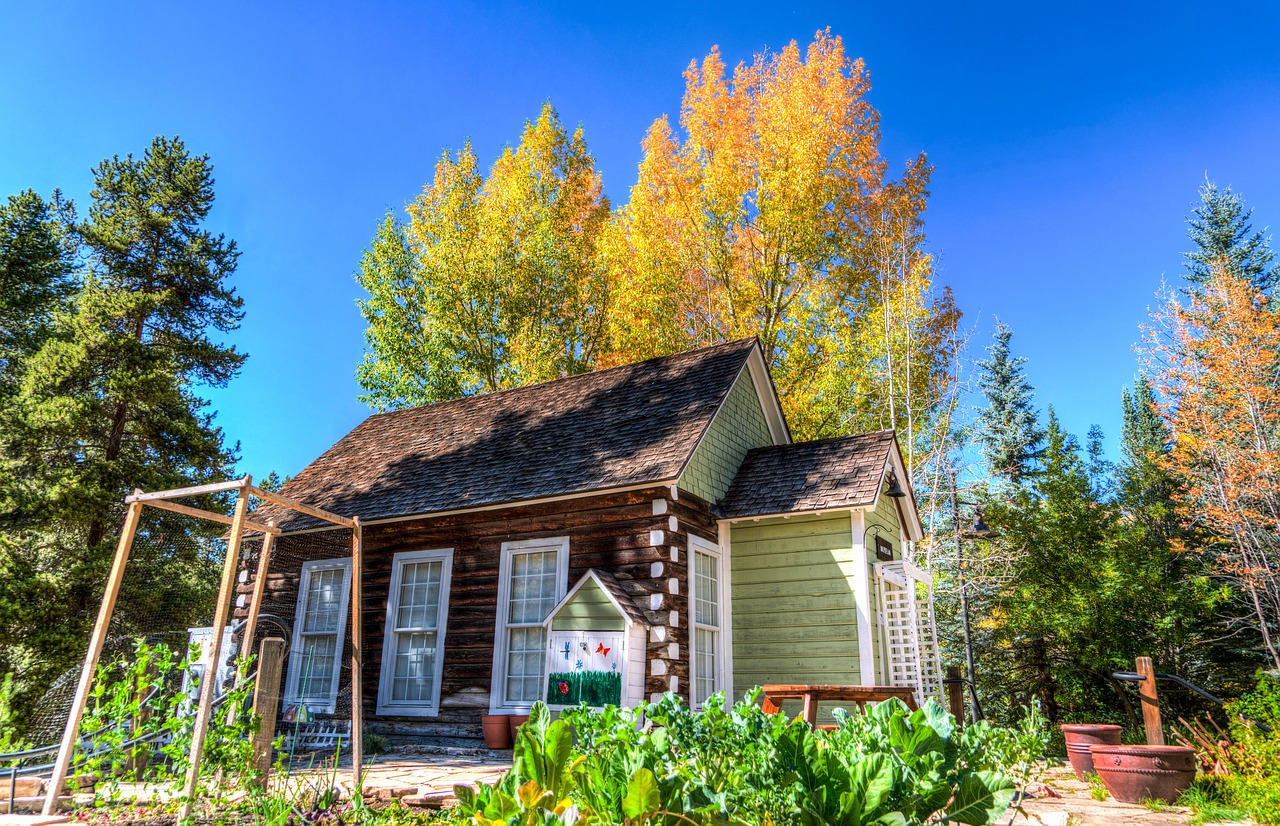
1008 429
1220 229
1177 596
1146 486
37 275
109 403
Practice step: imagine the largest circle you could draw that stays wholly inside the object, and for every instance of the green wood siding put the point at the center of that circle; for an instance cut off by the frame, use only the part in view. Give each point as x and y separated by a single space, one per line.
739 426
794 619
588 610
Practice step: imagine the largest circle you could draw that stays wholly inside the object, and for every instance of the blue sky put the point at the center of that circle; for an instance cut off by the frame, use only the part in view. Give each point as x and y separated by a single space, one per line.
1068 139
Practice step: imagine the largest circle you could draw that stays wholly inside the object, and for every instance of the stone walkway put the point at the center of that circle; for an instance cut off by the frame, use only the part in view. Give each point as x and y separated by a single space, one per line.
428 778
1067 802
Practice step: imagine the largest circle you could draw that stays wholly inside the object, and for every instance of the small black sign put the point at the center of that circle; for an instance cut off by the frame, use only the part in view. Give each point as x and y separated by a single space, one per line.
884 550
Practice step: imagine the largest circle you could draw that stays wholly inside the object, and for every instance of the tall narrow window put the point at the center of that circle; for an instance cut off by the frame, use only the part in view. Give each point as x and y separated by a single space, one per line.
533 577
708 641
319 630
412 649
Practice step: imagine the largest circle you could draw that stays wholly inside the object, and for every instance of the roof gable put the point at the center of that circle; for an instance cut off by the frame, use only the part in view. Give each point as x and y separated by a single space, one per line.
846 472
625 426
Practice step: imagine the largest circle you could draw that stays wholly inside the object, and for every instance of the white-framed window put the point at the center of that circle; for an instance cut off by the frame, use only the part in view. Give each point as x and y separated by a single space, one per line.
319 630
413 646
708 598
533 576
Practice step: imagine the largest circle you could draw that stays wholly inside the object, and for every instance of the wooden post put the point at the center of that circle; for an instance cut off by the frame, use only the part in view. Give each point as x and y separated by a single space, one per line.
1150 701
259 588
357 657
266 704
955 694
212 657
71 732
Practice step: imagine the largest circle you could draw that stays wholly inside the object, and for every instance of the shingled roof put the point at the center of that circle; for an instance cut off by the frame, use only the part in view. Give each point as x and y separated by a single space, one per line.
810 476
629 425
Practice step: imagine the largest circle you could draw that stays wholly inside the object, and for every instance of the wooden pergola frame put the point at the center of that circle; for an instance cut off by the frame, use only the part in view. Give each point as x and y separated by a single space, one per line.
239 523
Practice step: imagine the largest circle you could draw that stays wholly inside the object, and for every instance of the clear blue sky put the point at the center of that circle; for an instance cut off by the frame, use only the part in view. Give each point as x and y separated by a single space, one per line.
1069 141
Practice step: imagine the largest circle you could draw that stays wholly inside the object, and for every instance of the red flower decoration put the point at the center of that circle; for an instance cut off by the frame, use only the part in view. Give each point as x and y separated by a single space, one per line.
564 687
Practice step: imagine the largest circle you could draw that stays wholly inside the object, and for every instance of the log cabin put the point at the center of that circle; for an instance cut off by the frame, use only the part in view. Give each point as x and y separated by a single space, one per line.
601 538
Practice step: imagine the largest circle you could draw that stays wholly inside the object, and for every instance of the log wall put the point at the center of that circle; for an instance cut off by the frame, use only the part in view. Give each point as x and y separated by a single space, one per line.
641 537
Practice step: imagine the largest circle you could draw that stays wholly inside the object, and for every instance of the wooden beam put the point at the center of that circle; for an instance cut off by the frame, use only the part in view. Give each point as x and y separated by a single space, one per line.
266 704
71 733
955 694
357 658
259 588
210 515
1150 701
212 657
301 507
197 490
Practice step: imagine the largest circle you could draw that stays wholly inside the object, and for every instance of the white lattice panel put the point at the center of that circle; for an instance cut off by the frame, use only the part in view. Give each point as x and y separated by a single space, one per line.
907 628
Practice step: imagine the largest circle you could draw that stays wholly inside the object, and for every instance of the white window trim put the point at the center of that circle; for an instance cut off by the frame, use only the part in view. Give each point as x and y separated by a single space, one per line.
723 679
406 708
498 686
296 653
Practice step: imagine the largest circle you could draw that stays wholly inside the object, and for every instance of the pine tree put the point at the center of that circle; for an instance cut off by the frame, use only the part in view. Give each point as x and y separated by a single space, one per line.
1220 229
37 276
109 403
1008 429
1146 486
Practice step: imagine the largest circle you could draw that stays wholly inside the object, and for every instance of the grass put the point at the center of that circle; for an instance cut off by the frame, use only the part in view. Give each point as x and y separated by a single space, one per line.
1096 790
1206 804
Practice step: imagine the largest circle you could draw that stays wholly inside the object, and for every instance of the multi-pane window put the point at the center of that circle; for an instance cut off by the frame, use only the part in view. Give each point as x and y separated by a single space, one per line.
416 614
534 578
707 640
318 633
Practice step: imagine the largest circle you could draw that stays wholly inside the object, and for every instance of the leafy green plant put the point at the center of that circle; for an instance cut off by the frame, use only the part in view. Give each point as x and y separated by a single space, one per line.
1096 789
9 739
663 764
139 726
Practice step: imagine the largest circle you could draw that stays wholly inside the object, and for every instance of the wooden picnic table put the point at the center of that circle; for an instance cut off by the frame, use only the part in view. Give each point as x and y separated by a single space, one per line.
811 695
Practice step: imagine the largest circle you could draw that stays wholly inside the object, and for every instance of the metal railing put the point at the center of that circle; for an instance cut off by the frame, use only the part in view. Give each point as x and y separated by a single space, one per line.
1135 677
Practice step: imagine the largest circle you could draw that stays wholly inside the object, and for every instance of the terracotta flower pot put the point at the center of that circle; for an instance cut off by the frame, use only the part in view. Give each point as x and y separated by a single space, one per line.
497 730
515 721
1080 737
1136 773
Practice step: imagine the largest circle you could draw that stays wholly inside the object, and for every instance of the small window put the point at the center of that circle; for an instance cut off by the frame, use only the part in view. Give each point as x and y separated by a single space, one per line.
706 599
532 578
413 647
319 630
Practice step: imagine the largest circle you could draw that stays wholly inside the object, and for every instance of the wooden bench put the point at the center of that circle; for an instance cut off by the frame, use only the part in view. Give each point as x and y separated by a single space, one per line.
811 695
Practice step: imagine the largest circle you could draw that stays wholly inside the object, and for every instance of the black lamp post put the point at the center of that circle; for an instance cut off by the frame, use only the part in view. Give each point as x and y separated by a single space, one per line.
979 530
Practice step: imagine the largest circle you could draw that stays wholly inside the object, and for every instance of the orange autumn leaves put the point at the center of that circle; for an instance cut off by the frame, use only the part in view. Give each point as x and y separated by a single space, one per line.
765 211
1216 361
768 212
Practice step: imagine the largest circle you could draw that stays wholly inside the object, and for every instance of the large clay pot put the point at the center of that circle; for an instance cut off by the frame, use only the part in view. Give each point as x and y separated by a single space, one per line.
1136 773
515 721
1080 737
497 730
